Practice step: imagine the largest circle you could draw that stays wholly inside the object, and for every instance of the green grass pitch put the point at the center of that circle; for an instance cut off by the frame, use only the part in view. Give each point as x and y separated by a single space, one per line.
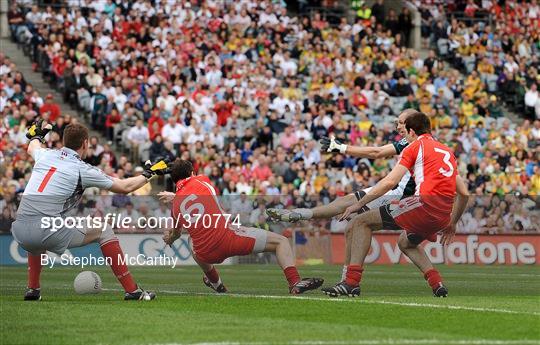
487 305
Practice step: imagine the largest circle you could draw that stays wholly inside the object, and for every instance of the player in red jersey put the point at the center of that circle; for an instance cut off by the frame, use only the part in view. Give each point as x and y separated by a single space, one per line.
214 235
429 211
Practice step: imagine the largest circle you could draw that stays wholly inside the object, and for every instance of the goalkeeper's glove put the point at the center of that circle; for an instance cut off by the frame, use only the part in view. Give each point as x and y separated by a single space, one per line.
38 131
332 145
160 167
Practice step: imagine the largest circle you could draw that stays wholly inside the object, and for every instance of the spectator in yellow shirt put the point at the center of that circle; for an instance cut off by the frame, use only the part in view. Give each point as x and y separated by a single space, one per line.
484 67
475 118
472 84
467 107
322 178
364 124
535 181
425 105
443 120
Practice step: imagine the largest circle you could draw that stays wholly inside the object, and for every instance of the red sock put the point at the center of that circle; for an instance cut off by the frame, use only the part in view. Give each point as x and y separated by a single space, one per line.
112 250
212 275
292 275
34 270
353 275
433 278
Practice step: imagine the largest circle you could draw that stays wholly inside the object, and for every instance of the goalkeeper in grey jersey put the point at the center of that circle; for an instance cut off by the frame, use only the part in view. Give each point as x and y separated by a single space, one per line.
58 180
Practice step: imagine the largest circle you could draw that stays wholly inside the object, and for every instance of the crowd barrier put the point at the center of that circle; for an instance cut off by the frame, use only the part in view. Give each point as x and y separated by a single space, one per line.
466 249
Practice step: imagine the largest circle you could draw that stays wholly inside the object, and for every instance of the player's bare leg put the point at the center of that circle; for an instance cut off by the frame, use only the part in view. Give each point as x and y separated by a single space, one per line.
111 250
360 242
211 276
419 257
280 245
348 236
33 291
334 208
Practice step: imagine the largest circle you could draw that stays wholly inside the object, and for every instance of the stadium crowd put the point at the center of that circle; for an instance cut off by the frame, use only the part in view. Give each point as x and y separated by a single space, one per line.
245 91
503 56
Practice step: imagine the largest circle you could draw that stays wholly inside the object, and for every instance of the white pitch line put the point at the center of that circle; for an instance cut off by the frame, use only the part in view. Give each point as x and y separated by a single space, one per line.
339 300
359 300
375 342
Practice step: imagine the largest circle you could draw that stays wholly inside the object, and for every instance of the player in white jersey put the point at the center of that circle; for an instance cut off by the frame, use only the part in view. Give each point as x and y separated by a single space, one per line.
58 180
406 186
338 206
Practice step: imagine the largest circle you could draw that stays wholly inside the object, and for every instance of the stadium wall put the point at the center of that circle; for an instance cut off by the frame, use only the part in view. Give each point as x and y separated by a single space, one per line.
466 249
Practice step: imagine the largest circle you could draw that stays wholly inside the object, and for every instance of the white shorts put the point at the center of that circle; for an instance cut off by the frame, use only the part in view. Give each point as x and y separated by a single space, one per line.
36 239
259 235
392 195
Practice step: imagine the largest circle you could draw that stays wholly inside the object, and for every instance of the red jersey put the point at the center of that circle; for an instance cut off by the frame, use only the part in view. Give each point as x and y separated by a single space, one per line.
197 209
52 108
434 169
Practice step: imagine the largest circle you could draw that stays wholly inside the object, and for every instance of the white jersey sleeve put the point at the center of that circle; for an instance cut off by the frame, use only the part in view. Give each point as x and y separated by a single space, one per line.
38 153
94 177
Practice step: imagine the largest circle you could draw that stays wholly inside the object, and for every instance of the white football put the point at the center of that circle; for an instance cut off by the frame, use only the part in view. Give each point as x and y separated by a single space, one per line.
87 282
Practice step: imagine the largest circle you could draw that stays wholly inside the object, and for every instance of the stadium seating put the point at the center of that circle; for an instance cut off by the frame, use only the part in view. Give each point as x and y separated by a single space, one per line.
245 90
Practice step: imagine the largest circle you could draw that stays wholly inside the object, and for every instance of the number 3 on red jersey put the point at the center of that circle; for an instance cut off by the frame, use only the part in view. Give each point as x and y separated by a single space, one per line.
446 159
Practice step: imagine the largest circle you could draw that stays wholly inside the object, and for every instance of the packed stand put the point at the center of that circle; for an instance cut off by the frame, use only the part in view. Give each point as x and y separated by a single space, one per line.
245 91
497 44
20 104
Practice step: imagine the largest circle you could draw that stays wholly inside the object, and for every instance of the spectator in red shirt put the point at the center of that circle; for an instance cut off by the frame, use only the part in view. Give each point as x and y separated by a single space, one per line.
358 99
223 111
50 107
110 121
59 65
155 120
262 171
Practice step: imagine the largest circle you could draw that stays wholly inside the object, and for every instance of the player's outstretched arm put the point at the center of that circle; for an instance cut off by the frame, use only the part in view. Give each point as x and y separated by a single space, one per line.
383 186
131 184
332 144
459 207
128 185
461 200
372 152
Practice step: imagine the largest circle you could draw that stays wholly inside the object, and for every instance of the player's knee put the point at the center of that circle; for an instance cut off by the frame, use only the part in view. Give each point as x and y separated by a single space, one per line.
275 240
404 243
401 244
349 227
282 240
358 221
